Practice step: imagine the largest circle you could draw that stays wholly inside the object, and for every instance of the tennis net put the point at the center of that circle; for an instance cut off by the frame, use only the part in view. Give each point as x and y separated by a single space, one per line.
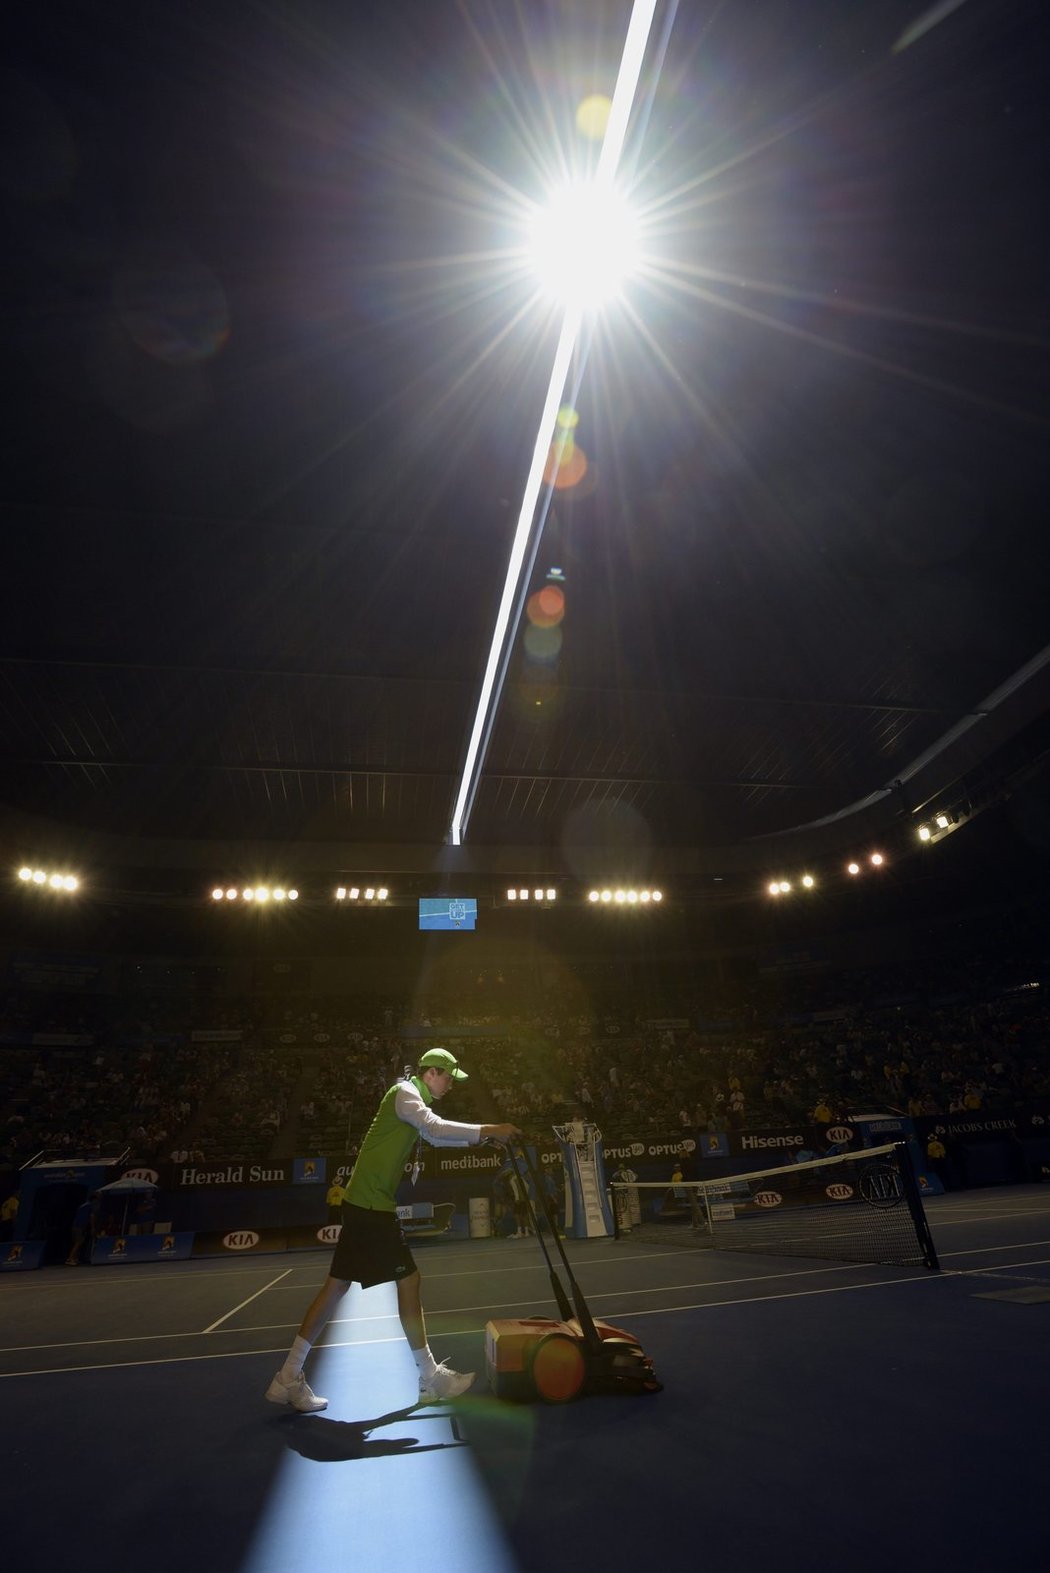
857 1207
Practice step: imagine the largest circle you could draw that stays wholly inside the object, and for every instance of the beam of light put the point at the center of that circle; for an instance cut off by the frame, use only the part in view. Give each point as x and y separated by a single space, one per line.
358 1484
638 31
924 23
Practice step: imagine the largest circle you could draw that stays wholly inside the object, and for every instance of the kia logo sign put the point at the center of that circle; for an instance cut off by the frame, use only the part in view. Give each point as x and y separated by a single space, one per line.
839 1133
687 1146
767 1199
329 1234
149 1176
840 1192
637 1149
240 1239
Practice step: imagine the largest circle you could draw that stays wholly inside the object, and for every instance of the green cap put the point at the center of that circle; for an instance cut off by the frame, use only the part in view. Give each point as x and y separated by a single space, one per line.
442 1060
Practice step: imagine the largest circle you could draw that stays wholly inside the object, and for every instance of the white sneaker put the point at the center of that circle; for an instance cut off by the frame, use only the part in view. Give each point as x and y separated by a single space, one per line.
443 1384
297 1393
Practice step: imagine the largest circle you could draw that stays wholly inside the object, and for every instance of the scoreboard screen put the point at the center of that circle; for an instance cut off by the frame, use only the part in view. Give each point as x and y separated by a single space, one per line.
447 912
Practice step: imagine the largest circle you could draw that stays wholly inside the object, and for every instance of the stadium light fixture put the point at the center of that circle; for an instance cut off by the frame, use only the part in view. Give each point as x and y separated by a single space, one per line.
808 881
584 245
530 523
853 868
877 860
52 879
924 832
218 893
594 895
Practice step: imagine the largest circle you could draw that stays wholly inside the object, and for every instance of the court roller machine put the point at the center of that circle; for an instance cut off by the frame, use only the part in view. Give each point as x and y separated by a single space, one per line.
555 1361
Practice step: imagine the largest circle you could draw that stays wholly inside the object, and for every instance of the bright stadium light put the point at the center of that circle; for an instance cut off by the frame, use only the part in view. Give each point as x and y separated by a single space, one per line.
278 894
593 895
600 196
39 877
218 893
552 895
808 881
584 245
853 868
231 895
293 895
877 859
924 832
25 873
382 893
606 895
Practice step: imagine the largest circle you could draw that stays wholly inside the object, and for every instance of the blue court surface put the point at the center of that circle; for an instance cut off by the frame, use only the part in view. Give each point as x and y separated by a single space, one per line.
814 1414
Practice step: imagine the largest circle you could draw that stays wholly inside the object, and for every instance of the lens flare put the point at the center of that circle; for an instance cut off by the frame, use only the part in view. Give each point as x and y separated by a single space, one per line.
546 607
592 116
542 644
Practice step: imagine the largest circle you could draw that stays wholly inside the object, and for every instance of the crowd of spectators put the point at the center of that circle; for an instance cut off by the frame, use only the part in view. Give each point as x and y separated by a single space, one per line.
276 1076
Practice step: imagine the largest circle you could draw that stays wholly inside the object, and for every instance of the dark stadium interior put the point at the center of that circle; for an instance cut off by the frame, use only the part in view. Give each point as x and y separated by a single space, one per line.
275 365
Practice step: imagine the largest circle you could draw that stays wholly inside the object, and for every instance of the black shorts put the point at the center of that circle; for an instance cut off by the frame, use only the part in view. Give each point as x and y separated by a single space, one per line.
371 1248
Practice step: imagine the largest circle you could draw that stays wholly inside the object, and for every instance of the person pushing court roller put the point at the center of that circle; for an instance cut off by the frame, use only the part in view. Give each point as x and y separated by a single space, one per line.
372 1248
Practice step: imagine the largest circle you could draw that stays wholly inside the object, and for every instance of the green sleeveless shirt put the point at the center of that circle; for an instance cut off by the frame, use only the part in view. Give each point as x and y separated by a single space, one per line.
380 1165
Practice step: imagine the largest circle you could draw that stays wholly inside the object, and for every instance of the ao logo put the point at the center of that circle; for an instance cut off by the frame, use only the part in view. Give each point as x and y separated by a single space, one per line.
767 1199
840 1192
240 1240
839 1133
150 1176
329 1234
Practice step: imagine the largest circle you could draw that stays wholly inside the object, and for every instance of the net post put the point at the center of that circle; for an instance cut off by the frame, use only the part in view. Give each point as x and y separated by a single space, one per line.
910 1188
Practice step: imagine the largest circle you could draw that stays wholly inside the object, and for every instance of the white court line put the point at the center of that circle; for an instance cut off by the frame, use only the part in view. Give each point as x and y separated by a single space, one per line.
342 1321
249 1300
459 1332
118 1275
987 1250
464 1332
609 1294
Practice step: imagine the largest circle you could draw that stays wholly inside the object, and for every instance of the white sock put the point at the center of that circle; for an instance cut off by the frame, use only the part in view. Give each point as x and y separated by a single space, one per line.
296 1357
426 1365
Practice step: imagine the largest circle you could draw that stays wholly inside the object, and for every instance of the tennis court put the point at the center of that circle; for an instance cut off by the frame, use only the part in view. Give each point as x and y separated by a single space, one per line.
887 1417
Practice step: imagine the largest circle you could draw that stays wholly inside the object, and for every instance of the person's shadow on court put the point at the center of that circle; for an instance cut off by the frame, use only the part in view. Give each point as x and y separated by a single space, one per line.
338 1441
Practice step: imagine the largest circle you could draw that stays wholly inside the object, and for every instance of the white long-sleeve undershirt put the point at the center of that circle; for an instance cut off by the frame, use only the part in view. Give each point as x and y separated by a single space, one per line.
410 1107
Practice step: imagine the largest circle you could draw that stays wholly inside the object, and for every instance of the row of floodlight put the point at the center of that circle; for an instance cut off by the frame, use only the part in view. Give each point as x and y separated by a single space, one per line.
260 893
784 887
941 823
361 893
628 898
520 893
52 879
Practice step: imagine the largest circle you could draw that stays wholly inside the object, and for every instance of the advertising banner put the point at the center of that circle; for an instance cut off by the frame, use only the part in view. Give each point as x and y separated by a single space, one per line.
21 1255
308 1171
115 1250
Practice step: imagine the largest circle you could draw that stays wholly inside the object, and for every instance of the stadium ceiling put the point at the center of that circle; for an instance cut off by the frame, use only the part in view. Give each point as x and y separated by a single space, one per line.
278 372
